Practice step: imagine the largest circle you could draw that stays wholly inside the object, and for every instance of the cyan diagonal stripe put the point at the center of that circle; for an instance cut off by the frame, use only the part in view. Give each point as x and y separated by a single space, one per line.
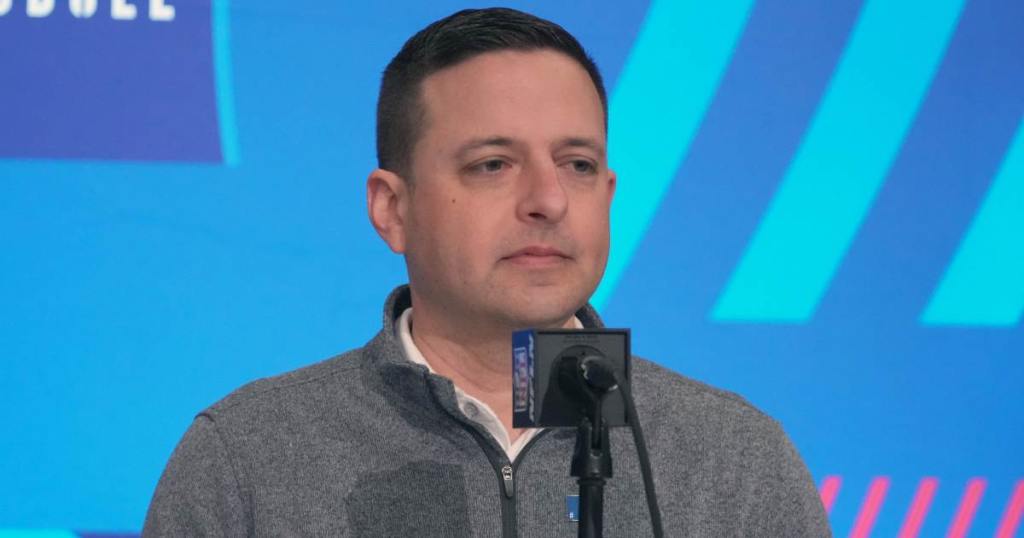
665 88
224 82
984 284
890 59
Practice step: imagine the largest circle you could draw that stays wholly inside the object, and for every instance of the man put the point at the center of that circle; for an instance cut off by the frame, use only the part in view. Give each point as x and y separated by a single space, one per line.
493 183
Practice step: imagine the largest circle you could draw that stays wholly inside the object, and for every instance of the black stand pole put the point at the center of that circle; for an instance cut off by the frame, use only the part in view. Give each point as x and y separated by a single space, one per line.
592 464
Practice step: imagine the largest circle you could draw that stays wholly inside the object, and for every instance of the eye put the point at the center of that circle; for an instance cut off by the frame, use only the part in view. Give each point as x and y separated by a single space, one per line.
490 166
583 166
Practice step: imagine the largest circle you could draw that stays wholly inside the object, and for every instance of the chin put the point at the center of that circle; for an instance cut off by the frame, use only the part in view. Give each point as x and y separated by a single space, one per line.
540 309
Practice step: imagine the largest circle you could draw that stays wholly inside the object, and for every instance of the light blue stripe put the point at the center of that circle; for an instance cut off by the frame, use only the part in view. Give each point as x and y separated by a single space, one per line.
871 102
34 533
224 81
661 97
984 284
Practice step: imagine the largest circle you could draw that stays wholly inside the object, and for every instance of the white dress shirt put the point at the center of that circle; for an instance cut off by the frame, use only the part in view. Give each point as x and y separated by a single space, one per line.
473 408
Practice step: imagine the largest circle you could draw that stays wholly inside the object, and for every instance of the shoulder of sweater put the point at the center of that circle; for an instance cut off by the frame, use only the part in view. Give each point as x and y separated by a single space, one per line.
657 385
301 382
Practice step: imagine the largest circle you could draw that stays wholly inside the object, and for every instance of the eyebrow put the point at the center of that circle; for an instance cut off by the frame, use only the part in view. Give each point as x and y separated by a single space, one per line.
577 142
477 143
504 141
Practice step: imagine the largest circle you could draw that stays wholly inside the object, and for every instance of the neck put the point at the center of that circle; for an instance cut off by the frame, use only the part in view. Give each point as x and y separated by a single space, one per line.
475 355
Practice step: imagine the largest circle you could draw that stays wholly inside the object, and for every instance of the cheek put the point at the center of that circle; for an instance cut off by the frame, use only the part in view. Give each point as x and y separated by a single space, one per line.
474 234
592 226
455 236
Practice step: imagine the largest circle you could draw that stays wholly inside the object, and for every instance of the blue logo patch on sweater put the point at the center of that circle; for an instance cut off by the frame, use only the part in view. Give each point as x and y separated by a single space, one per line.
572 507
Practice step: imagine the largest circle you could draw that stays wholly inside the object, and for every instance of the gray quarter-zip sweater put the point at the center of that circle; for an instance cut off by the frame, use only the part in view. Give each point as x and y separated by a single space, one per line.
369 444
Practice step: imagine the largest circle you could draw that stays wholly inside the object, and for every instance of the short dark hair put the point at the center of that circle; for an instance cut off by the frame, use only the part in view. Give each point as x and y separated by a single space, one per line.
446 42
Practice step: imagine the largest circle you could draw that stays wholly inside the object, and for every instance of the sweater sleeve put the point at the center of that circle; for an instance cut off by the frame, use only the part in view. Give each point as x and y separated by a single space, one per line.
198 493
788 501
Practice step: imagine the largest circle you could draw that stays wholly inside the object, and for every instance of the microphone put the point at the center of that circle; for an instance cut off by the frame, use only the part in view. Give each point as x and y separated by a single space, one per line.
580 379
597 372
559 374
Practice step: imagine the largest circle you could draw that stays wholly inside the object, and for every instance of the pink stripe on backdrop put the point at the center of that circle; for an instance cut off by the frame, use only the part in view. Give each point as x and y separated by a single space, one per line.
829 491
919 507
870 507
1012 515
968 506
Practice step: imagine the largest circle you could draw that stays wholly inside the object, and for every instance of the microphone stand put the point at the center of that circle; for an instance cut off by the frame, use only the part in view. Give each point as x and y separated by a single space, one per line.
592 464
592 458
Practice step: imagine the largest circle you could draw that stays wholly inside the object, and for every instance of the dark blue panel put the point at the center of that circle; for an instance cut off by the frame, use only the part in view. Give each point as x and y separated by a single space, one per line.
100 88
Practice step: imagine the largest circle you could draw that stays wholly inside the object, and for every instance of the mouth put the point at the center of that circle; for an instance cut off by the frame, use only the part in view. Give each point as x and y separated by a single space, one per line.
538 256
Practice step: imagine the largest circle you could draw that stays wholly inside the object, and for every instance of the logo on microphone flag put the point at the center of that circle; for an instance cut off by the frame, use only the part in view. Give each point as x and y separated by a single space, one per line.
521 379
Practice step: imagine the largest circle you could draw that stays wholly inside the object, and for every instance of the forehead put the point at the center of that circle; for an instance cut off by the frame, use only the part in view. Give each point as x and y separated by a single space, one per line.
527 95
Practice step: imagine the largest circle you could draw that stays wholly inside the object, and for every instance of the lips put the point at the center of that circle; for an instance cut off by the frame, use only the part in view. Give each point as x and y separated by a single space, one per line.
538 251
538 256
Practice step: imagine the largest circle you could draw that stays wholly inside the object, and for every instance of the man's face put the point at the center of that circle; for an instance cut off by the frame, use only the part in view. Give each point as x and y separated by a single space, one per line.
507 218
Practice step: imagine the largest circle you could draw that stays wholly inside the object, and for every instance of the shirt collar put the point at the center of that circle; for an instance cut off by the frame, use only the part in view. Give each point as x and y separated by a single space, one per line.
473 408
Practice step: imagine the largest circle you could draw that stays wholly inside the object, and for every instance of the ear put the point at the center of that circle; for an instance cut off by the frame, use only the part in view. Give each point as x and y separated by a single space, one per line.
386 202
612 182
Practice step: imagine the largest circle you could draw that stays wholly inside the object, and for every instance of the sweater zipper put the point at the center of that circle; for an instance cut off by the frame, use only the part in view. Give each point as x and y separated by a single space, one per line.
509 483
506 479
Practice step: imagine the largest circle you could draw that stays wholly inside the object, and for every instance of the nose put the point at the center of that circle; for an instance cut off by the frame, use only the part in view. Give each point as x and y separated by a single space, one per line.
543 199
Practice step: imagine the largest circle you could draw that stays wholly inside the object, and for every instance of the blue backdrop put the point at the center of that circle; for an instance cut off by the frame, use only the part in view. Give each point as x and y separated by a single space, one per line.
821 206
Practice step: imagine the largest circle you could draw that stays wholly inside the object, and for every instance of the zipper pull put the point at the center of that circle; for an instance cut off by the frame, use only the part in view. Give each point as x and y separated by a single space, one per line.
508 481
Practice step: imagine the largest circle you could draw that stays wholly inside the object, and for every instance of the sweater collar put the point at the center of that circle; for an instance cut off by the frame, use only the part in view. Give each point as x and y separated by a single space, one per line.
399 374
